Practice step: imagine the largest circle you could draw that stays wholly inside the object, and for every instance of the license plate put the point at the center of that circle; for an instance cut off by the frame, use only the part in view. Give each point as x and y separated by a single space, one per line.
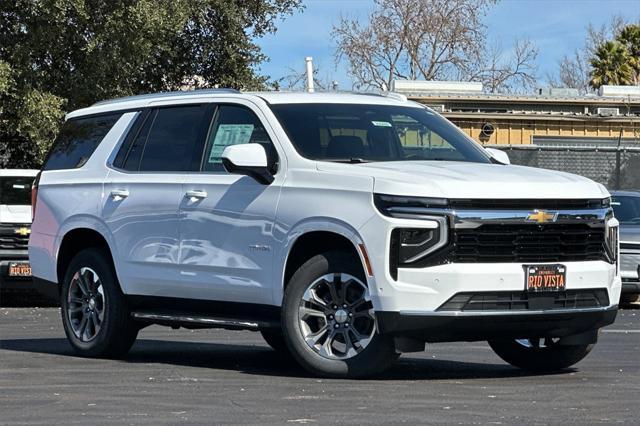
19 269
545 277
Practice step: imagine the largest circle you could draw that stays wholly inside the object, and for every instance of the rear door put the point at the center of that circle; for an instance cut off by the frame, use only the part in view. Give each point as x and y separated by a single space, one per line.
227 220
143 193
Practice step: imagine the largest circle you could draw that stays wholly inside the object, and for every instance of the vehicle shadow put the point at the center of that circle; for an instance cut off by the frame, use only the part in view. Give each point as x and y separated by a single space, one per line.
260 360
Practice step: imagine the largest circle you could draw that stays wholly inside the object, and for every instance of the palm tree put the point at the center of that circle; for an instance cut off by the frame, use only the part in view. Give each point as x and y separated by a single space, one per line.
630 38
611 65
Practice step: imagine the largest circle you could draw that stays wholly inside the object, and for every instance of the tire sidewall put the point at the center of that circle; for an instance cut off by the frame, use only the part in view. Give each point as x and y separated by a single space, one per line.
96 260
373 359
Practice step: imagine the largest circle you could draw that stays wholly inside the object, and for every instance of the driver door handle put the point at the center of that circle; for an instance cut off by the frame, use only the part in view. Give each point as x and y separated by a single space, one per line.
119 194
196 194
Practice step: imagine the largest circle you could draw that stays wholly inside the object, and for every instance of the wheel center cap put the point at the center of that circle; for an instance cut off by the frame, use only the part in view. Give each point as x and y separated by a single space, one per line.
92 303
341 315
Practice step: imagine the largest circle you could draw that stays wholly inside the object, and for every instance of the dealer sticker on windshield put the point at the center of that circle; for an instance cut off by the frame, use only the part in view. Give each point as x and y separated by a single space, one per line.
381 124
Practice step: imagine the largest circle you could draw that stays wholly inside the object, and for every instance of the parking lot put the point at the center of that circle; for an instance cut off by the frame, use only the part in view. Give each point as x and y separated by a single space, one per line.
233 377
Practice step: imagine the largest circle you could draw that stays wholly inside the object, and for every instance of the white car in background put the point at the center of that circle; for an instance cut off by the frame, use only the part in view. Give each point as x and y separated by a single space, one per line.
15 228
346 228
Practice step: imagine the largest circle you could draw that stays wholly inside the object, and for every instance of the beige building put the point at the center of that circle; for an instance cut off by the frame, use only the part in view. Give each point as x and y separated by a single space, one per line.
558 116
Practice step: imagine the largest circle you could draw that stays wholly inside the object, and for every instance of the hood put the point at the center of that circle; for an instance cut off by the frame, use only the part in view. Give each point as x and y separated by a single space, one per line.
629 233
452 179
15 214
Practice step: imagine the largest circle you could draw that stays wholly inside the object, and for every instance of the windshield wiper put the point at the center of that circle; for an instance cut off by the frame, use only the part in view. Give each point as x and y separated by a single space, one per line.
352 160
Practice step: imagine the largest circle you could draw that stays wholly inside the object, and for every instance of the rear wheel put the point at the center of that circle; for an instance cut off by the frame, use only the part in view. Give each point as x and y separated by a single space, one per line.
328 319
544 354
94 313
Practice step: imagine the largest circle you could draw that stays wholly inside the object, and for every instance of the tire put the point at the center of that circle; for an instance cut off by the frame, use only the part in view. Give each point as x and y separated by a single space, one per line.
332 356
542 356
108 328
275 340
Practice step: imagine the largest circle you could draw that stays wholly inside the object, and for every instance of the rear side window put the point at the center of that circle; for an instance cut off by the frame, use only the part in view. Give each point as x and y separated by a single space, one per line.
170 140
77 140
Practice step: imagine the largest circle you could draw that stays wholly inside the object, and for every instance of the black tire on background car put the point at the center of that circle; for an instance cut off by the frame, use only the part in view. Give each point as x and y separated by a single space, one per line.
539 354
328 320
94 312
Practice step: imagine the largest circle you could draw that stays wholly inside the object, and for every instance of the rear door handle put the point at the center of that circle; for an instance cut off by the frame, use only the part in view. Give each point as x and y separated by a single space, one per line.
196 194
119 194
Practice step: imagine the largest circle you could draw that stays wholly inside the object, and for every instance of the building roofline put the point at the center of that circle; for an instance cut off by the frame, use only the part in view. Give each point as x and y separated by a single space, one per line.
491 97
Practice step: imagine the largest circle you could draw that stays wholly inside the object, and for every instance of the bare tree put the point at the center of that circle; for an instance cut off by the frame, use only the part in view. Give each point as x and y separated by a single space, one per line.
296 79
427 39
515 73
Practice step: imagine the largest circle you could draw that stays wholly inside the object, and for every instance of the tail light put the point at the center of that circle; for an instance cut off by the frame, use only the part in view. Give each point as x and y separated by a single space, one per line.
34 196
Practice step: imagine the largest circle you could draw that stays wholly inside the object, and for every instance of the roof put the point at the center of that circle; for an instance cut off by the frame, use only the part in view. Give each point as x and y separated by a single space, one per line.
19 172
209 95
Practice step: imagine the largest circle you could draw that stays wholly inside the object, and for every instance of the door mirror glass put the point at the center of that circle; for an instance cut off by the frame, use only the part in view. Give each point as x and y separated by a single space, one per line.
499 156
247 159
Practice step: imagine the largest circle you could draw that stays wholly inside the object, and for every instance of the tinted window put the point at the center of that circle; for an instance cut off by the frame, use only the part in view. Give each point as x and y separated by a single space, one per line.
175 139
375 133
136 144
626 209
235 125
15 190
77 140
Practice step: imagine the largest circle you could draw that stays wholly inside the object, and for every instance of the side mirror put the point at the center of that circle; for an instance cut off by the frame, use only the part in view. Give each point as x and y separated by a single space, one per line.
498 155
247 159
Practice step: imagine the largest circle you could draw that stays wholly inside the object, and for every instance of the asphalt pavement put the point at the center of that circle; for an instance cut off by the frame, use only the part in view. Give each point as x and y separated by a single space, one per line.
230 377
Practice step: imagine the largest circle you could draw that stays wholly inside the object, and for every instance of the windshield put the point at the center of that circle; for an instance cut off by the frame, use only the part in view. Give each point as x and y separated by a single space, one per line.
626 209
358 133
15 190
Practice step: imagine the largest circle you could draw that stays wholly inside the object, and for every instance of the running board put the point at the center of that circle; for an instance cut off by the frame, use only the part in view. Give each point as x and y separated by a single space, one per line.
195 321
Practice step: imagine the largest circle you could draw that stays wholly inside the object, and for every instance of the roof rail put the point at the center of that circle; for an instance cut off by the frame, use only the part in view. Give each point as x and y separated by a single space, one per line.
166 94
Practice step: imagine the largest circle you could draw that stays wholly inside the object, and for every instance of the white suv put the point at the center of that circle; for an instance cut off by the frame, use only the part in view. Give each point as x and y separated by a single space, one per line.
345 228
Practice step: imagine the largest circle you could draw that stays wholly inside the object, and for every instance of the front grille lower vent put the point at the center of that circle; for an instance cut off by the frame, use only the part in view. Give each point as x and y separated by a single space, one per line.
528 243
524 301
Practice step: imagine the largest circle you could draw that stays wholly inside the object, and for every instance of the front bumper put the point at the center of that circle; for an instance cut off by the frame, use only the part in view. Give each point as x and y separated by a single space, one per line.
460 326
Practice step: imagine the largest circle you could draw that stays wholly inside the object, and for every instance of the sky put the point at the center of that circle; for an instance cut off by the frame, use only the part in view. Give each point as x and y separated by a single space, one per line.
557 27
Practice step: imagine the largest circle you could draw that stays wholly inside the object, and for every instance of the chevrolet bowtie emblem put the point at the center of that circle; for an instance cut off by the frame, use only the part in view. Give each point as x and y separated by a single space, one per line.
23 231
542 216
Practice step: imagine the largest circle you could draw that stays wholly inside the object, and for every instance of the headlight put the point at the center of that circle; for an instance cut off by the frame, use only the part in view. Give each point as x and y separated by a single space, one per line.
399 206
611 239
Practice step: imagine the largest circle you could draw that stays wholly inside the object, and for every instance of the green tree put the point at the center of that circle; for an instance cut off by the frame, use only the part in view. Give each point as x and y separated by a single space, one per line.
617 61
61 55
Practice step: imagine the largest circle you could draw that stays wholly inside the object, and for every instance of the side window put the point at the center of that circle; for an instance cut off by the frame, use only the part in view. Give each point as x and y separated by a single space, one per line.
171 140
235 125
136 143
77 140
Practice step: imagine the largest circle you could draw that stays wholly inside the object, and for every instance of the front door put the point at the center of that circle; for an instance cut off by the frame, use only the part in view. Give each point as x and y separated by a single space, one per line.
227 236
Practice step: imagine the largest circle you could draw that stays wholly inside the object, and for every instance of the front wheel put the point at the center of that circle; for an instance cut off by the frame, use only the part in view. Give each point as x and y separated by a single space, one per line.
541 354
328 319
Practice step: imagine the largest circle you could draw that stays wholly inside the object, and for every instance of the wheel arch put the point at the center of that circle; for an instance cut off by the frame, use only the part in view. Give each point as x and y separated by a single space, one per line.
308 241
74 241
